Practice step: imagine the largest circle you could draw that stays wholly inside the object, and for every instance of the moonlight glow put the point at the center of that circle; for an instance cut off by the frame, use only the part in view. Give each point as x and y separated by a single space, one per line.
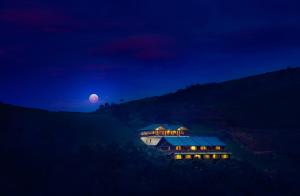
93 98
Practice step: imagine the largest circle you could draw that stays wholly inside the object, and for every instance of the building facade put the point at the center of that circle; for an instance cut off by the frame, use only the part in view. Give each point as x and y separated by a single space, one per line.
152 134
174 140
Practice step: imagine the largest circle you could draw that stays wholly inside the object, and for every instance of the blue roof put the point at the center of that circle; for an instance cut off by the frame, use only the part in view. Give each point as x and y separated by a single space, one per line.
166 126
194 141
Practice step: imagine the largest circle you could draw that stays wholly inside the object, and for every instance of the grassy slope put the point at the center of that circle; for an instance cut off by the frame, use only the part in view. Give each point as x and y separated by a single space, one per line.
62 129
57 153
260 111
257 116
47 153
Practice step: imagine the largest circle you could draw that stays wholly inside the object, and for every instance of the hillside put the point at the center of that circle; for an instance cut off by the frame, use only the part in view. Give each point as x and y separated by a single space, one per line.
261 111
60 153
65 130
63 153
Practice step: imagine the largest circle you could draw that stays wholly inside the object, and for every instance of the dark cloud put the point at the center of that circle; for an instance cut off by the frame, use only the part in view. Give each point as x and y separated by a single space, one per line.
141 47
56 20
43 19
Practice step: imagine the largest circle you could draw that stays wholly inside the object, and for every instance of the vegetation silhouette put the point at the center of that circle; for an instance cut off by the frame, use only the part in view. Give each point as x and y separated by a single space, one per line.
99 153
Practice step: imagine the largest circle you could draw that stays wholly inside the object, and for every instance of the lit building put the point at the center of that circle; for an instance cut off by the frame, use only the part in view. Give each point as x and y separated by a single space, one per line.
173 140
152 134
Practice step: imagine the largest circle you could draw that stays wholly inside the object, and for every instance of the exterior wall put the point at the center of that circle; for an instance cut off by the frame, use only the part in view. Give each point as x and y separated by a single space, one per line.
195 152
151 141
191 148
202 155
163 133
157 138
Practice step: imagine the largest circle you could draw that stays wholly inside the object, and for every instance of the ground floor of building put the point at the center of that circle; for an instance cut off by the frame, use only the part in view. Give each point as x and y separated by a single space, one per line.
201 155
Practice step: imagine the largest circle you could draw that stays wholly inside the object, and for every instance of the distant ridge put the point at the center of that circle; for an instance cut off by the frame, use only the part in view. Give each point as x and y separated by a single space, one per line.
266 100
289 75
262 111
6 106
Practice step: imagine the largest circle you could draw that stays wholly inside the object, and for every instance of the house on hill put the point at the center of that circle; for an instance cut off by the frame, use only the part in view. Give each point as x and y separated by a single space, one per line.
152 134
173 140
163 130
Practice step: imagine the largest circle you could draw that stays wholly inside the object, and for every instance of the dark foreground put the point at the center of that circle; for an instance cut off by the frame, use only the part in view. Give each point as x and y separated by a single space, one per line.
45 153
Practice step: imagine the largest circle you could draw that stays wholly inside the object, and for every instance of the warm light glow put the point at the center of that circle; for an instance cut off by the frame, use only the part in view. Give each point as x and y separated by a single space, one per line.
214 156
225 156
178 147
188 156
178 156
197 156
203 148
193 148
206 156
218 147
163 132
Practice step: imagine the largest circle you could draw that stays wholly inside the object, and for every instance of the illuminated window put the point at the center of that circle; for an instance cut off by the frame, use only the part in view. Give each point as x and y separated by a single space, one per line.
225 156
206 156
218 147
188 156
215 156
178 156
193 148
197 156
203 147
178 147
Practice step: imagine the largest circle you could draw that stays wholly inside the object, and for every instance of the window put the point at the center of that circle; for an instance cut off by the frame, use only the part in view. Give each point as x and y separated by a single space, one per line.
193 148
215 156
178 156
197 156
206 156
218 147
188 156
178 147
225 156
203 148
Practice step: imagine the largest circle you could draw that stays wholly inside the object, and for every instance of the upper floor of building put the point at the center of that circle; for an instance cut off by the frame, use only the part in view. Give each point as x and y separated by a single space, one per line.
163 130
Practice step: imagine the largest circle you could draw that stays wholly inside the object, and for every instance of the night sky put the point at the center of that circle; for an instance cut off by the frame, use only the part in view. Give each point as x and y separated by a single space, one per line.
53 54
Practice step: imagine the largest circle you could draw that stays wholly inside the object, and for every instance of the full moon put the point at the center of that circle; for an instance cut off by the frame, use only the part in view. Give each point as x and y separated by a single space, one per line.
93 98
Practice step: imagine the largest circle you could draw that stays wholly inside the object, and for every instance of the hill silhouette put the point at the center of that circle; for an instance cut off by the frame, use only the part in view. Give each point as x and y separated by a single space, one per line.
262 111
266 100
99 153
